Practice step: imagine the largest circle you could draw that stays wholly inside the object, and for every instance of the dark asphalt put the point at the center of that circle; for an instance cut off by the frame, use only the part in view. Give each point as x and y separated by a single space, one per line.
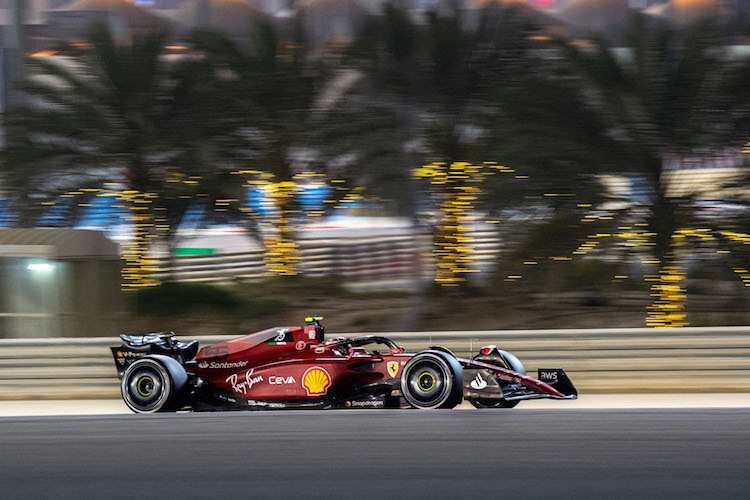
381 454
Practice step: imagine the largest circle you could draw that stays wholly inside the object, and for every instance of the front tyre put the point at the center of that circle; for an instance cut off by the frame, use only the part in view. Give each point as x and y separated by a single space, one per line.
429 381
147 387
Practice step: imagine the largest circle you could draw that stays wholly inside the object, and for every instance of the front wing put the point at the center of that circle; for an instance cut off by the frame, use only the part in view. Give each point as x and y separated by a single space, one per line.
553 383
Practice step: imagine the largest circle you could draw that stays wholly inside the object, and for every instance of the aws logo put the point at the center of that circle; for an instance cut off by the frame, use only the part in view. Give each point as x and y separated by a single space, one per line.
316 381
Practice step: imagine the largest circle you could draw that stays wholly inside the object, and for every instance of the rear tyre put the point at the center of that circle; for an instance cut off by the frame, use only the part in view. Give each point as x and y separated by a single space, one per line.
429 381
147 387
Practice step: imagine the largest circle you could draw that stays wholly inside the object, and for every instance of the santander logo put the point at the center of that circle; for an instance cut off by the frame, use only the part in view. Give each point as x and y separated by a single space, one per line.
478 383
223 365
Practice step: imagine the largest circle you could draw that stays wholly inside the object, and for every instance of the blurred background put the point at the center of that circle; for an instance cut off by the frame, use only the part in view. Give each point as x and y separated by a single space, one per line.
221 166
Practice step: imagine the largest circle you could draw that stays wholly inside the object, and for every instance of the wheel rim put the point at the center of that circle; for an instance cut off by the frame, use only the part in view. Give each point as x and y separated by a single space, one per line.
426 383
145 388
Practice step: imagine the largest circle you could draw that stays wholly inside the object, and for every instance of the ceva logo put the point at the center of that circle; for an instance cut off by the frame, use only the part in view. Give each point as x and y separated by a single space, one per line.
274 380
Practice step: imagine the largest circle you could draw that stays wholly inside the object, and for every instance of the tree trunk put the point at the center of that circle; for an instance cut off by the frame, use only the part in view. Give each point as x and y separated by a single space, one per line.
670 296
452 242
669 307
282 252
138 268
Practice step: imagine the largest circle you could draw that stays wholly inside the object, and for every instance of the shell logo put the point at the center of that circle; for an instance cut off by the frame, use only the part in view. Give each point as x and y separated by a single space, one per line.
316 381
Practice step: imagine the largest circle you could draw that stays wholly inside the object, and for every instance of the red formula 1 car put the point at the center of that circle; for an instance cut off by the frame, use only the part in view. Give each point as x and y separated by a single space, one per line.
296 367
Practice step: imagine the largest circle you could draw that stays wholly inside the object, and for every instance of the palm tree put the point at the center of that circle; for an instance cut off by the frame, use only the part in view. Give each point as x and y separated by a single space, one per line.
672 94
111 111
549 132
433 88
269 86
266 90
441 77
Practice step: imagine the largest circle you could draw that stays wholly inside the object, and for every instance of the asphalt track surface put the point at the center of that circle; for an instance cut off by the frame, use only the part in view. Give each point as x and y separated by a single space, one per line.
382 454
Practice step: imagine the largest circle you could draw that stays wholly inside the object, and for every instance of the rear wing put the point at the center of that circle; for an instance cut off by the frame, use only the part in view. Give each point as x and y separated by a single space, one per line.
137 346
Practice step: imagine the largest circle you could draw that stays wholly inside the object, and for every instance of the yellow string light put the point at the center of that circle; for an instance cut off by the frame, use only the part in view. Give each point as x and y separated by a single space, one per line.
670 296
457 187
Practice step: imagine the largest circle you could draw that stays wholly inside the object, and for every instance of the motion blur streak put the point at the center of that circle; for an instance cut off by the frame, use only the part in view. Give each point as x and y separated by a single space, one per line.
375 454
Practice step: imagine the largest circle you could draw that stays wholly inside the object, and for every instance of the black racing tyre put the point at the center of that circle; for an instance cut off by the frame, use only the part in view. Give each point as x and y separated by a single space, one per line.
147 387
429 381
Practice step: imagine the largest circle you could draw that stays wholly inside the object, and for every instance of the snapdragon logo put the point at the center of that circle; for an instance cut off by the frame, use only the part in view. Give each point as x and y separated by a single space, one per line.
370 403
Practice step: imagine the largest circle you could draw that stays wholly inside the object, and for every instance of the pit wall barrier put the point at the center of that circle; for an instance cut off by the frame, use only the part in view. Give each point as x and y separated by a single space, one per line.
611 360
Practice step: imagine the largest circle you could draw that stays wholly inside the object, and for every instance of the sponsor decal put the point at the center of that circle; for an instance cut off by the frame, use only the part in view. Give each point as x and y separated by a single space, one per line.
281 334
316 381
300 345
216 351
507 378
274 380
252 402
320 350
222 365
368 403
130 354
393 368
283 337
550 376
245 385
478 383
121 361
311 334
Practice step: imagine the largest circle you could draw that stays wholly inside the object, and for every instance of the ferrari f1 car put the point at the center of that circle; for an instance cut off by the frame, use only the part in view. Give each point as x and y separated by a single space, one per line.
296 367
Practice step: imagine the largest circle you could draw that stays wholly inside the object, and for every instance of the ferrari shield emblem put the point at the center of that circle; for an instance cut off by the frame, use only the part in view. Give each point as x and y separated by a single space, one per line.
393 368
